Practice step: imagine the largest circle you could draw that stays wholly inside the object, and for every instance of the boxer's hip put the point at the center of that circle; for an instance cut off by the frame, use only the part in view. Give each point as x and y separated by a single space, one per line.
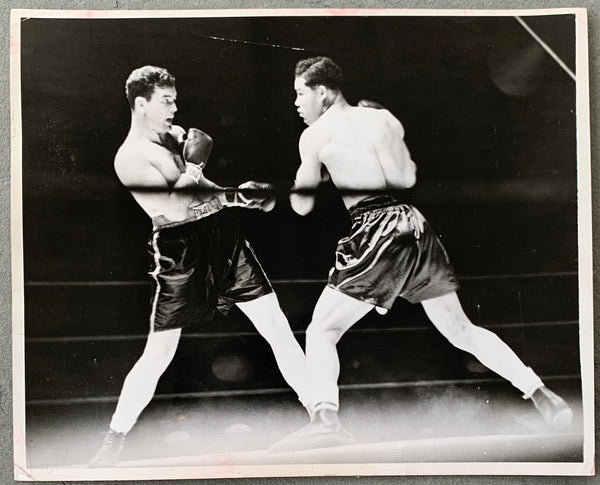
194 213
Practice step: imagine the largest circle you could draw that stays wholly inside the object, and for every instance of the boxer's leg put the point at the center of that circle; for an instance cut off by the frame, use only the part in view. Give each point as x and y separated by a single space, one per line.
266 315
447 315
140 383
333 315
137 391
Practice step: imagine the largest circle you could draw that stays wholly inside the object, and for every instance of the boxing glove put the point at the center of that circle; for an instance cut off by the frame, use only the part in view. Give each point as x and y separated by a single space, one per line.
197 147
252 195
367 103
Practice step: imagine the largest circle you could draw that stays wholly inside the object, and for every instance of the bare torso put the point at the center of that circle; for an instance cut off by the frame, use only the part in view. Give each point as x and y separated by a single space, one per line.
152 170
363 150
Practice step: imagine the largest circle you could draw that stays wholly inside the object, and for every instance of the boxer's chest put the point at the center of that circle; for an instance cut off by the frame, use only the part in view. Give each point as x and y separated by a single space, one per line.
171 165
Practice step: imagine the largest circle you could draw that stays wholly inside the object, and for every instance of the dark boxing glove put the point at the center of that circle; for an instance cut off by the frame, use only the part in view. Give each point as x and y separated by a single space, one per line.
367 103
252 195
197 147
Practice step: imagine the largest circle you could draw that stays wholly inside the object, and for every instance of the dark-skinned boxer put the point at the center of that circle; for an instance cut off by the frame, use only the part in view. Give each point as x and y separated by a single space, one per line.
391 251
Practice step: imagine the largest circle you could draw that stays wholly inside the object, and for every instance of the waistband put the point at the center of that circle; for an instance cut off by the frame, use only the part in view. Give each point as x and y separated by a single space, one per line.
376 202
194 213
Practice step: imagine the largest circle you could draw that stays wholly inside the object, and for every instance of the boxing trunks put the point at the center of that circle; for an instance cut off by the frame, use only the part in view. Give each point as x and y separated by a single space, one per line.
200 266
391 251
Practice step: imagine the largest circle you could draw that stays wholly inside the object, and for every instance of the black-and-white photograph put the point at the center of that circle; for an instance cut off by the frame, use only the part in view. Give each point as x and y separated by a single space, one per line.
257 243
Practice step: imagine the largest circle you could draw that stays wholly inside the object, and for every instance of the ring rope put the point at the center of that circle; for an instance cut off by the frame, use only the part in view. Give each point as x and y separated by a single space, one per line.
546 47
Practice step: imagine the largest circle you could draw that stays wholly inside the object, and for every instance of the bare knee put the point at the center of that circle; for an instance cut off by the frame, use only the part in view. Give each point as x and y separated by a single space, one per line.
275 328
462 334
268 318
321 330
160 349
449 318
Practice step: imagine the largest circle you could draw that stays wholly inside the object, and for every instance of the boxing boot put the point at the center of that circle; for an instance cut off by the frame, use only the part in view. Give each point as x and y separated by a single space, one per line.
554 409
109 452
324 430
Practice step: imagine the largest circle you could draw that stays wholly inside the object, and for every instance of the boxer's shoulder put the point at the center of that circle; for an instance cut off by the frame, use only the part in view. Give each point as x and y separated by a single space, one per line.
132 153
136 160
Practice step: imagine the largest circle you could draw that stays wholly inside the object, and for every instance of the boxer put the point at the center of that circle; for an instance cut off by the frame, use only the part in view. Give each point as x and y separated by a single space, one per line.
391 250
200 259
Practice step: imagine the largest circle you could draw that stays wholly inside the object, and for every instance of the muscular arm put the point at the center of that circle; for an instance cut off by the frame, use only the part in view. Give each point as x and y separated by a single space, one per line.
399 170
141 175
195 156
308 176
138 171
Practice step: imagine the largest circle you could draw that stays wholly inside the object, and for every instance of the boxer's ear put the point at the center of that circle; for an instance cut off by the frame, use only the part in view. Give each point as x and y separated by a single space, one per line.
140 102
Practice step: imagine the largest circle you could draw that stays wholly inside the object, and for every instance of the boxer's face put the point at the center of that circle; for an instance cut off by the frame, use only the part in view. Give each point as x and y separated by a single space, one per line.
309 100
160 109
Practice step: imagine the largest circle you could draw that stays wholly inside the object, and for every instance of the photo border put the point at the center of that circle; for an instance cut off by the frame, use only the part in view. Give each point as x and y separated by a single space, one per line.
585 272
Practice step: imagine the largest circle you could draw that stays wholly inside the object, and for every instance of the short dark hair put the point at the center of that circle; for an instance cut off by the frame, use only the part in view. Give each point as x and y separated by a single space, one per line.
320 71
143 80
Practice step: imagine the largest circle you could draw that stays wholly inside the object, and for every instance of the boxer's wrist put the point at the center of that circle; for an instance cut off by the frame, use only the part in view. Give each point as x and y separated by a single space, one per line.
193 171
231 197
230 193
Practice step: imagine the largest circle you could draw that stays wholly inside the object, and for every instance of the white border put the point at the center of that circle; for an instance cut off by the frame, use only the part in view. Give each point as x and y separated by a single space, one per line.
586 467
584 224
291 12
18 284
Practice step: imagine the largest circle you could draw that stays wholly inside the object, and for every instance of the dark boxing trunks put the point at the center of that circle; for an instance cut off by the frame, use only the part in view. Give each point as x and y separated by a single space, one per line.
391 251
199 267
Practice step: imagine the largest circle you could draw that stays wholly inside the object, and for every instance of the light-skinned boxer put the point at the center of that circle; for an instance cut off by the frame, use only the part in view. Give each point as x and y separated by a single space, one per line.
391 251
200 259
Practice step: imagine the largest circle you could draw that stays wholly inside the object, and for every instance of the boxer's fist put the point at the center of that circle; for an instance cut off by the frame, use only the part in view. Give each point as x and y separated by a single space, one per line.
178 134
197 147
257 195
367 103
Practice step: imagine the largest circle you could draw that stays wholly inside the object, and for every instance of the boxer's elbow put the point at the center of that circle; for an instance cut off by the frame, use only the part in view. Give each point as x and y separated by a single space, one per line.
408 177
411 183
411 175
302 204
402 181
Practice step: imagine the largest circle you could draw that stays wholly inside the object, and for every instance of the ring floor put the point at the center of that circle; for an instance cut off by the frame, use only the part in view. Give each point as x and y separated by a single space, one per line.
68 435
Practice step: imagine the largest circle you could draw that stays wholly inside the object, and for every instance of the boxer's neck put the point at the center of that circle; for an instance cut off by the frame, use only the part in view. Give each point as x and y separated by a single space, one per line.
139 129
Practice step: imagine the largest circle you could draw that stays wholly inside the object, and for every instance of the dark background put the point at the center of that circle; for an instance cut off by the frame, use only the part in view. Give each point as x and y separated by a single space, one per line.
489 120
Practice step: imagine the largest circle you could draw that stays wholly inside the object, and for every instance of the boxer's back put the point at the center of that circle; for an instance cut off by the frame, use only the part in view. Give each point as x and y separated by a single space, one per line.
364 150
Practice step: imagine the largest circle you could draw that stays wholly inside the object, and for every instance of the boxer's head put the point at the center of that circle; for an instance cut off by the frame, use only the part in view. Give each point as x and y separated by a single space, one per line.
320 71
318 81
151 94
143 81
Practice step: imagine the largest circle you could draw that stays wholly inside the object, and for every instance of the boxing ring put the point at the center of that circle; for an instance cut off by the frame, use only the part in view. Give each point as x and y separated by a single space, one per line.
407 395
